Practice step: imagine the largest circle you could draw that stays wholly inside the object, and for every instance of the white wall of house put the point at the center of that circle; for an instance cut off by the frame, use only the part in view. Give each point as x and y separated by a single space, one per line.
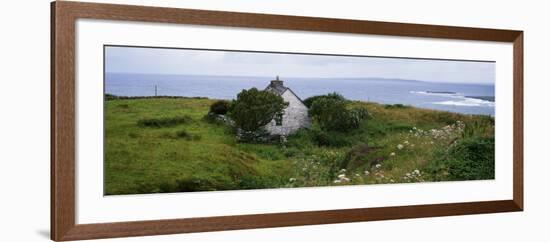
295 116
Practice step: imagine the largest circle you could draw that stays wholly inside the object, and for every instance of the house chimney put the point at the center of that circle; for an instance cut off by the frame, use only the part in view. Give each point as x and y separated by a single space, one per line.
277 82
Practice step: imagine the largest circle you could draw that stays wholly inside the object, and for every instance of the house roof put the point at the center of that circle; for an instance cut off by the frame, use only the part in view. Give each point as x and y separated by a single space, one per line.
276 86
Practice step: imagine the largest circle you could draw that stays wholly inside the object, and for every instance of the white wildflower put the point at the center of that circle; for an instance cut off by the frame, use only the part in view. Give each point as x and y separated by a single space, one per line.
367 173
392 154
337 181
399 146
292 179
392 181
406 142
341 176
378 165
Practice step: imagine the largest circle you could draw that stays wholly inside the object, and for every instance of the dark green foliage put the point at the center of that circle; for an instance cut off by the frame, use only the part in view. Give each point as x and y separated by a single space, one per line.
360 113
468 159
336 96
395 106
218 119
254 109
164 122
301 140
110 96
220 107
330 138
332 114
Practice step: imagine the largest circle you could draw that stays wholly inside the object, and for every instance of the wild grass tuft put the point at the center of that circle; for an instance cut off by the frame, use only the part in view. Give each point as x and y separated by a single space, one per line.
164 122
187 135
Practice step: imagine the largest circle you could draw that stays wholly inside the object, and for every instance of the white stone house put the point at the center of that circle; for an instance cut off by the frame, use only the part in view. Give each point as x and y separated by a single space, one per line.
295 115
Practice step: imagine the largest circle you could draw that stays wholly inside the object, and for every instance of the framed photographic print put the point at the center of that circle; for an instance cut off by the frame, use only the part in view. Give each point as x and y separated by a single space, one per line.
172 120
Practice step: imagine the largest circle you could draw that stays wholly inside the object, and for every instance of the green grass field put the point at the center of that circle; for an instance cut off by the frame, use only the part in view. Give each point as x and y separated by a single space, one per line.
159 145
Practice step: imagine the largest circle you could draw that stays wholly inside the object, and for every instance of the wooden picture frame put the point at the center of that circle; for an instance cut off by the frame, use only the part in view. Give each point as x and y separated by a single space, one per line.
63 17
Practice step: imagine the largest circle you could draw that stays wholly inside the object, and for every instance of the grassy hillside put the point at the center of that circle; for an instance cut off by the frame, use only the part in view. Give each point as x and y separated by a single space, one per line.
165 145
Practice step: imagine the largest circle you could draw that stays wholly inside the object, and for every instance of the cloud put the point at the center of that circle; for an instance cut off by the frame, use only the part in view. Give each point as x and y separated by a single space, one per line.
205 62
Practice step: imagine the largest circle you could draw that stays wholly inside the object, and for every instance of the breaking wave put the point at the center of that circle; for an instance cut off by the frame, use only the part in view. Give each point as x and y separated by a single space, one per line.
457 99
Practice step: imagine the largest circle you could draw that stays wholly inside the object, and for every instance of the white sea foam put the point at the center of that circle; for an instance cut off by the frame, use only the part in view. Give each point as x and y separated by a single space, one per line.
439 94
460 100
469 102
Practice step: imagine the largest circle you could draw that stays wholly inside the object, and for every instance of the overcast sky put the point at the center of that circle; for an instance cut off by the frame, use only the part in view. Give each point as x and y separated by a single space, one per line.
203 62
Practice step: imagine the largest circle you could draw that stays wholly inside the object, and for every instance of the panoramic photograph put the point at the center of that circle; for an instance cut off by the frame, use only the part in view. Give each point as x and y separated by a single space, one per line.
197 120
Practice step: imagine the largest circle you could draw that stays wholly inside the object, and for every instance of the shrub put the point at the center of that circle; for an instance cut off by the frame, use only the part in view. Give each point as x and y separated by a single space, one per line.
333 115
361 113
164 122
336 96
301 140
218 119
220 107
110 97
254 109
395 106
332 139
468 159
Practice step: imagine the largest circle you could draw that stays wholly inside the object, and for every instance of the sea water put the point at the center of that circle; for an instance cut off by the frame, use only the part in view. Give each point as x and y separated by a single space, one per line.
453 97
